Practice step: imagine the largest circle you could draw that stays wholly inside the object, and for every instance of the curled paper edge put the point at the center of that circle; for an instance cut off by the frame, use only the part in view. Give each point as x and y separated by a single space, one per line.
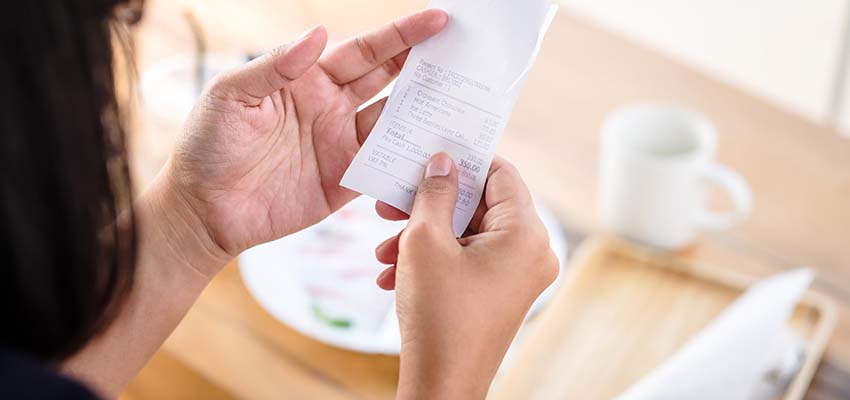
550 16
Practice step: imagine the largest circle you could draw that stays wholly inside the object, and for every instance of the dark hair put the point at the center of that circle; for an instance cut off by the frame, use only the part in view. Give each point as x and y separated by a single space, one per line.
64 178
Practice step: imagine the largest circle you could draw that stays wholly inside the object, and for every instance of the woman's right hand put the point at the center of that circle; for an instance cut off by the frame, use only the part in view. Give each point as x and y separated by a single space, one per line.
461 301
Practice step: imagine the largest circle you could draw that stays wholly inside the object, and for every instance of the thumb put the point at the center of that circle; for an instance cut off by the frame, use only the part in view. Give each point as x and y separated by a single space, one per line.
271 72
435 200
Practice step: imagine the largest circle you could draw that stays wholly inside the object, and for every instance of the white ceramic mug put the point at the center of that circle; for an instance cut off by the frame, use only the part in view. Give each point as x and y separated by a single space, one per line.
656 162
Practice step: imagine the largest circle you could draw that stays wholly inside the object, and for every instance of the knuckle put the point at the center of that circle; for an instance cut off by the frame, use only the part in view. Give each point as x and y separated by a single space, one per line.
219 79
273 59
416 231
366 50
546 266
541 236
392 67
277 52
224 86
503 166
550 268
535 237
217 85
401 36
405 239
274 54
510 167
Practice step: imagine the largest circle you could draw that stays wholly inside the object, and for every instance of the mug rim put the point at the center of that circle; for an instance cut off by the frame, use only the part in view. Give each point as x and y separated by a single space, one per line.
612 132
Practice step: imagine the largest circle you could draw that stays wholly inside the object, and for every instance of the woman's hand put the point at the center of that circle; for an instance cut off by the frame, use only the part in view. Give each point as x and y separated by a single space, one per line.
461 301
261 156
264 150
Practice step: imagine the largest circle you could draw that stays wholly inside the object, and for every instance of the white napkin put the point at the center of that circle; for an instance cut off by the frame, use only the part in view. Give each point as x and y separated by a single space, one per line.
738 354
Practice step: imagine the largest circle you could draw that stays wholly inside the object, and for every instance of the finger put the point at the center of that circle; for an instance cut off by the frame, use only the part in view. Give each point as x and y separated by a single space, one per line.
507 200
481 210
386 280
367 118
389 212
265 75
505 185
367 86
435 200
357 56
475 223
387 252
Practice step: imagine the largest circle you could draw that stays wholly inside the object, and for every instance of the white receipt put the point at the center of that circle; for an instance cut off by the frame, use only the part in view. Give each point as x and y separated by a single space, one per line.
455 95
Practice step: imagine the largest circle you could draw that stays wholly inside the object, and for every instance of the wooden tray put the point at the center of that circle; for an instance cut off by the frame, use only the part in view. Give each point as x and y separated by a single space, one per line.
623 310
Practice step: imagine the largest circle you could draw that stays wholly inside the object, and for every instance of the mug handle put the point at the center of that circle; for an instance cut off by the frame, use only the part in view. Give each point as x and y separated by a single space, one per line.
739 191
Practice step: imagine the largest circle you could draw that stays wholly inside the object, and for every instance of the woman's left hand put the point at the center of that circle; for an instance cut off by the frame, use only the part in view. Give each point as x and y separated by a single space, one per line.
263 152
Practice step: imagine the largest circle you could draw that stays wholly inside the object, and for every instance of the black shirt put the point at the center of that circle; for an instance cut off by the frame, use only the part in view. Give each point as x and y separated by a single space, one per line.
25 378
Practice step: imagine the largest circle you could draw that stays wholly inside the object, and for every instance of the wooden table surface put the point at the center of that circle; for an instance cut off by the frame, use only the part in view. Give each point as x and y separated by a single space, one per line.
800 173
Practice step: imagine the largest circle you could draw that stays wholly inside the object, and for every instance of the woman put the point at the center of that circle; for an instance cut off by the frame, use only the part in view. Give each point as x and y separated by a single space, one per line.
95 279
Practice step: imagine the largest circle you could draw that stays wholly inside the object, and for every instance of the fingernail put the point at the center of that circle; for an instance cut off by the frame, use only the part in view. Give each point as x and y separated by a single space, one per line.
440 165
308 33
443 20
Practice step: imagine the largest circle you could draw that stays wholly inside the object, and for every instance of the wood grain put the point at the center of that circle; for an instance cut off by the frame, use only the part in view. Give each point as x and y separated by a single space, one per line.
799 171
622 311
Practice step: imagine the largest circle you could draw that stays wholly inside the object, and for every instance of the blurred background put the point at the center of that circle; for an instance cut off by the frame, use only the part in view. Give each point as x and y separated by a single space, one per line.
772 76
788 52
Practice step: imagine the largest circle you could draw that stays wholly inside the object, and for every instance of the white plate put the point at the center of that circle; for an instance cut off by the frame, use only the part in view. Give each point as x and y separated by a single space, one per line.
321 281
